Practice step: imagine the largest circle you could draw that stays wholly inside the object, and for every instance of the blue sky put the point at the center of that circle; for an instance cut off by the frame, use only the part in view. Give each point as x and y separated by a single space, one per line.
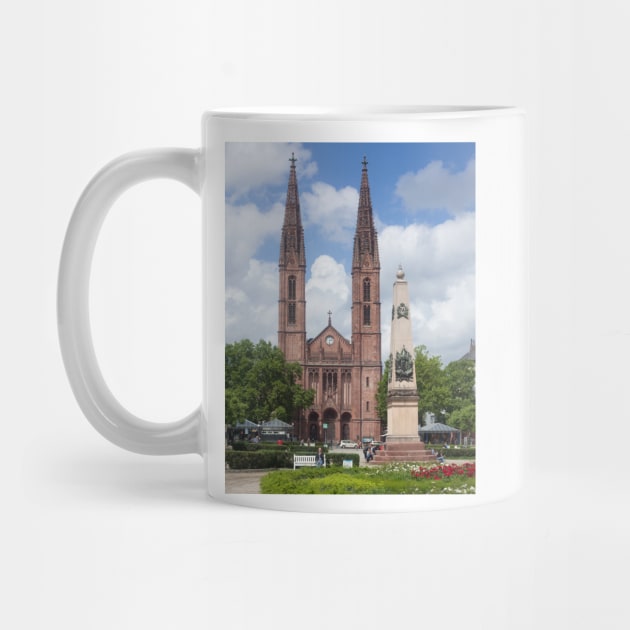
423 197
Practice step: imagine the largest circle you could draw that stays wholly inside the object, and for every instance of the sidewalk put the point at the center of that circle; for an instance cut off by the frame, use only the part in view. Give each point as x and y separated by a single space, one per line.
243 481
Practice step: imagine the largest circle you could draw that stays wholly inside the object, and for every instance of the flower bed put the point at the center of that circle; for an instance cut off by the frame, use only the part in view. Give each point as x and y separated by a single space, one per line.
398 478
444 471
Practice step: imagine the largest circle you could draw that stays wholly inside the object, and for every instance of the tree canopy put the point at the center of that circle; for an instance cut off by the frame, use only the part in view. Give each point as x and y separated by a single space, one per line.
260 384
447 392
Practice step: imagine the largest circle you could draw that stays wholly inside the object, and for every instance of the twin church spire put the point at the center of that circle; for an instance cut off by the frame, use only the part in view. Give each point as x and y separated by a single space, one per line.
342 373
292 271
292 249
292 238
365 238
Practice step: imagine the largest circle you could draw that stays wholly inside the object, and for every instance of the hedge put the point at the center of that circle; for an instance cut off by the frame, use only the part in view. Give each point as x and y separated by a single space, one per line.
258 446
283 458
258 459
241 445
456 453
239 460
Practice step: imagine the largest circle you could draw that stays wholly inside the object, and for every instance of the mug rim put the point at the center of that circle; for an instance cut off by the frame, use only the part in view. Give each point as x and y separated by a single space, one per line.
407 112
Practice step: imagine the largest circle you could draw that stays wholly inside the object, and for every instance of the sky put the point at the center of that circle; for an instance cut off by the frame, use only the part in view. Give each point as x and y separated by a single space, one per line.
423 199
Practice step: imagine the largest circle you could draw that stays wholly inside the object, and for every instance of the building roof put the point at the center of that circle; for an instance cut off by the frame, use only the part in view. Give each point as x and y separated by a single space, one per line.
437 427
246 424
275 423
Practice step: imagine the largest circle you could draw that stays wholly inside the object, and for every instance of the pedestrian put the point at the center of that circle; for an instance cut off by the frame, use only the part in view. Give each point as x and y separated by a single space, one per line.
319 458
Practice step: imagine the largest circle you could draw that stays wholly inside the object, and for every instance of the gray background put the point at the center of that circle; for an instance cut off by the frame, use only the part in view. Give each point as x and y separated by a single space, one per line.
94 537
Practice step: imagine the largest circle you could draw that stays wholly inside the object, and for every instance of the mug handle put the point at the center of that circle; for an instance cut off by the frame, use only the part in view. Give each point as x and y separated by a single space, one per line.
96 400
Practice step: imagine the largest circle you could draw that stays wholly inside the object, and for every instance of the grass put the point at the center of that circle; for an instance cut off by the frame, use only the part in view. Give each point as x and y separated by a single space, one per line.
387 479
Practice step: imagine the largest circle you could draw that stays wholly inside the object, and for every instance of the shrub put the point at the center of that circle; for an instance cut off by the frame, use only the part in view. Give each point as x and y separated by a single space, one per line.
238 460
388 479
241 445
458 453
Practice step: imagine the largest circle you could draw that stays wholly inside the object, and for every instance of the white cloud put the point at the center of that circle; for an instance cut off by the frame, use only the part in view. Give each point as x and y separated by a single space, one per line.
253 165
439 264
251 284
328 288
253 298
439 261
333 211
436 188
247 228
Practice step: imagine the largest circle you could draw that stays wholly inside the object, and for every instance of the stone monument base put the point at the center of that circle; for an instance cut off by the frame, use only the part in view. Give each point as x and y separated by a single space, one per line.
403 449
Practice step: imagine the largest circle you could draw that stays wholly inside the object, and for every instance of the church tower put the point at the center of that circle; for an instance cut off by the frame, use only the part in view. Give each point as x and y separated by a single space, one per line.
343 373
366 306
292 273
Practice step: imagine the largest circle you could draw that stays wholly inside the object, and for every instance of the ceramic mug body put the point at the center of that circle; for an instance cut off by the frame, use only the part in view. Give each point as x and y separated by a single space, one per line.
363 248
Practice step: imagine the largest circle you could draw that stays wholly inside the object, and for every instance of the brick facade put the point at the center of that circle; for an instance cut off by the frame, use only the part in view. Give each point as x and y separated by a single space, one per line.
343 373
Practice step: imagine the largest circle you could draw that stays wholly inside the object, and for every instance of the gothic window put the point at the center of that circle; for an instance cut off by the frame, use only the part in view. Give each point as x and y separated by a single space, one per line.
347 381
330 384
292 287
367 405
366 290
291 312
367 320
313 382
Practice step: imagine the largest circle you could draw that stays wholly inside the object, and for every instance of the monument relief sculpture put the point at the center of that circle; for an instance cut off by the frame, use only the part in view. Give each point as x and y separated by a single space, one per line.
404 365
403 310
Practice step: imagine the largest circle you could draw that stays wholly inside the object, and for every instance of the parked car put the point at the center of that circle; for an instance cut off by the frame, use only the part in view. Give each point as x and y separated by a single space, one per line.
348 444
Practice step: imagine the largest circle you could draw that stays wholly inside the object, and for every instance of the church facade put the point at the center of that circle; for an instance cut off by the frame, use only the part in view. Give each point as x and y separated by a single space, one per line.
343 373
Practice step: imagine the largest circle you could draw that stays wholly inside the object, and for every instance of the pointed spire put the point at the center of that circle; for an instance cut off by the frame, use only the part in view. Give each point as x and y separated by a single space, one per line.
365 239
292 239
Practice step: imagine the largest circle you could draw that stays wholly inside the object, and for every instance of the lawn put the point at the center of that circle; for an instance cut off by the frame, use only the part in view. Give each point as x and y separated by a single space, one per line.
402 478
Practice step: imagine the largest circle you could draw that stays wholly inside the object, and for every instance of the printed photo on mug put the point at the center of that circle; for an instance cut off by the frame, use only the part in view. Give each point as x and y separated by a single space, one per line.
350 318
365 306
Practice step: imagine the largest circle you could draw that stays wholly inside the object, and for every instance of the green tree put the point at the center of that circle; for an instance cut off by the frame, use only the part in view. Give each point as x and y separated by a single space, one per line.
460 376
432 385
260 384
381 396
463 419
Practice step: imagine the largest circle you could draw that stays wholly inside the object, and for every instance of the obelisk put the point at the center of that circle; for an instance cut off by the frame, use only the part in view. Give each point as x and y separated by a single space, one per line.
402 392
402 441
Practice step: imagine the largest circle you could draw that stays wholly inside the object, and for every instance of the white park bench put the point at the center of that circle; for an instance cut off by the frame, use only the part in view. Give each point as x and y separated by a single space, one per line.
305 460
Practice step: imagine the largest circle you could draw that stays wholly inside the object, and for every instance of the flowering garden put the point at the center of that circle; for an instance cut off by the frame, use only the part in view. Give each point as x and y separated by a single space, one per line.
399 478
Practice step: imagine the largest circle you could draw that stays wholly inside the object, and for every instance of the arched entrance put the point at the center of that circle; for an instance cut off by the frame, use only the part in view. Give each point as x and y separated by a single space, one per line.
345 426
313 432
330 419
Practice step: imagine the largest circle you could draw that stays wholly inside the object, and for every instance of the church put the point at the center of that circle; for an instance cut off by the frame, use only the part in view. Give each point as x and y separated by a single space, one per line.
343 373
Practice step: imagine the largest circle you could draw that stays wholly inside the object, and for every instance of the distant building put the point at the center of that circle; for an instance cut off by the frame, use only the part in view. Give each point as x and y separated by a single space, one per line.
344 373
470 355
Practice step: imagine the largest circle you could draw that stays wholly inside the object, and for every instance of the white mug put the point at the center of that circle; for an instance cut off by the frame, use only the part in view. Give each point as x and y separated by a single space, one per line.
414 212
